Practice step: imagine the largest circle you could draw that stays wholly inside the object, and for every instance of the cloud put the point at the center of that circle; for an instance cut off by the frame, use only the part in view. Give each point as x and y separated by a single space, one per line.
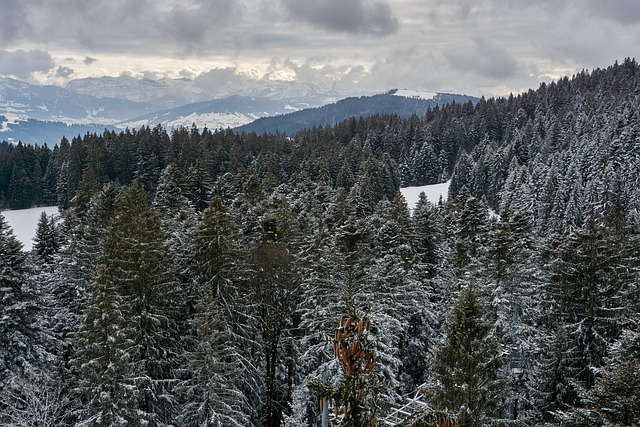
485 58
89 60
621 11
190 23
64 72
14 19
348 16
222 80
23 64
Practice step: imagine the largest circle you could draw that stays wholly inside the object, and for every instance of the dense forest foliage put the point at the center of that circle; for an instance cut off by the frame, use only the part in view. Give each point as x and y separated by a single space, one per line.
202 278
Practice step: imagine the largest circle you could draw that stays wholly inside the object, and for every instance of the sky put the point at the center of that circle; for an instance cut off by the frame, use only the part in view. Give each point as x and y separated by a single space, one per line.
474 47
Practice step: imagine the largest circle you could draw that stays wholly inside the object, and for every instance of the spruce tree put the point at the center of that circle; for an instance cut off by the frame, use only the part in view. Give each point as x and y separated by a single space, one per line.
18 311
138 262
107 387
467 364
47 242
216 389
140 278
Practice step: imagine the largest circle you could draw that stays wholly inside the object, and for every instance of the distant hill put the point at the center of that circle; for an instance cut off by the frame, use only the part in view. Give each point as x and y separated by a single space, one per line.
392 102
230 112
21 101
38 132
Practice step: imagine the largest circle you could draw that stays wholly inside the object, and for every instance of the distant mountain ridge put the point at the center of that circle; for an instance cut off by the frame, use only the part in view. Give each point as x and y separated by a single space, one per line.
224 113
20 101
392 102
38 114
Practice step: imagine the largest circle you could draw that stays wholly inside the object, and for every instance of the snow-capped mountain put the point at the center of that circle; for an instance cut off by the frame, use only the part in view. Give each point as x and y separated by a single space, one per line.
36 114
164 93
230 112
20 101
168 93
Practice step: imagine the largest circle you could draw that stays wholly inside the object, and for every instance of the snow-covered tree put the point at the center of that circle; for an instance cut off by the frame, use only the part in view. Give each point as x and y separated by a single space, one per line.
217 364
18 311
47 241
467 365
107 386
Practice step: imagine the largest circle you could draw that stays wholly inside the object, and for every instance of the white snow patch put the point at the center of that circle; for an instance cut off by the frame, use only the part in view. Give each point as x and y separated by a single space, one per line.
25 221
408 93
210 120
11 114
433 193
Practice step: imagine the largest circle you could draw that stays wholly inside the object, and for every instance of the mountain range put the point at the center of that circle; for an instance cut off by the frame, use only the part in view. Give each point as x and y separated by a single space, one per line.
38 114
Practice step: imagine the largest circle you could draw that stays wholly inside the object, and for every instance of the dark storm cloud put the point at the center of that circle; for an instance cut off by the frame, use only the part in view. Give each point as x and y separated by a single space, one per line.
117 26
23 64
350 16
485 58
14 19
621 11
64 72
190 23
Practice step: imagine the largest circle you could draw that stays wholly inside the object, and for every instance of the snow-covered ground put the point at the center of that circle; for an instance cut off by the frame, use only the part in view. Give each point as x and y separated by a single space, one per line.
25 221
433 193
409 93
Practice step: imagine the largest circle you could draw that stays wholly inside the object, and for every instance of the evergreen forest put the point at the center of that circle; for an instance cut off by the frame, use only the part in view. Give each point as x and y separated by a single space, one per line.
219 278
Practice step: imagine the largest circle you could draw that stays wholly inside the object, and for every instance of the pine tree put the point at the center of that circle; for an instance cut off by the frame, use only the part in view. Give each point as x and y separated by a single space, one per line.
589 283
137 259
212 393
273 292
513 291
398 292
553 390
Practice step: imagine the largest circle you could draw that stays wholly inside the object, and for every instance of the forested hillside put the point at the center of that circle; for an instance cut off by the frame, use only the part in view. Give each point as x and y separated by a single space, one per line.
364 106
220 278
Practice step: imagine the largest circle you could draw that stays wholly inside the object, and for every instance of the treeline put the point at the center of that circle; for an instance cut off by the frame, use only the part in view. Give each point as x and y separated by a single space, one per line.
198 278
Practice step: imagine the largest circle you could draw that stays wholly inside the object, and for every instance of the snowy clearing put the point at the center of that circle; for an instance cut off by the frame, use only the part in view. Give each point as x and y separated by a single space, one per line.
25 221
433 193
409 93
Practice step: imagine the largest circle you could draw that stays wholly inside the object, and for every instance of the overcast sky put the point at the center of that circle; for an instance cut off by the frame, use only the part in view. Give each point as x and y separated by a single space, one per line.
477 47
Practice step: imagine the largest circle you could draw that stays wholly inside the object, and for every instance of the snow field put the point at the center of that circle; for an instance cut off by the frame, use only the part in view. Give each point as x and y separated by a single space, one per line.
25 221
433 193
